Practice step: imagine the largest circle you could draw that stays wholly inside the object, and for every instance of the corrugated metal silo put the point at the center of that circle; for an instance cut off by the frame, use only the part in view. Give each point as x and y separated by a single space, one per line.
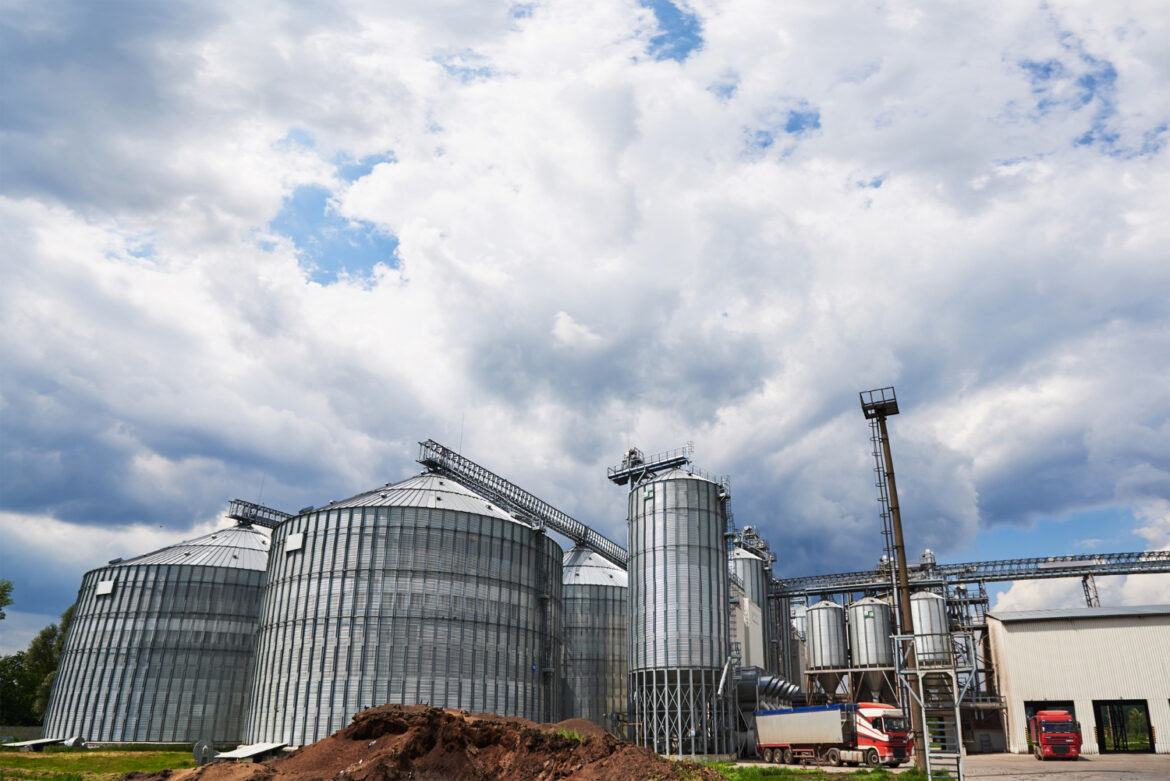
871 646
825 622
160 645
827 653
679 622
418 592
594 619
932 633
869 633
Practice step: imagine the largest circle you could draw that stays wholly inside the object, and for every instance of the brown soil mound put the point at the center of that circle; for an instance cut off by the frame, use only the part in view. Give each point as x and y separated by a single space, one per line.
428 744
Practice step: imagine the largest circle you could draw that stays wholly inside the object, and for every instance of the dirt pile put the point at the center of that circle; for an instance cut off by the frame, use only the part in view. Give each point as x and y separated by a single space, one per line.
424 744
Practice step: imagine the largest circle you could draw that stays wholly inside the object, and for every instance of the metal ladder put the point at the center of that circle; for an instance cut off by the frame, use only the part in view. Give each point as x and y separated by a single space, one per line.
940 721
938 676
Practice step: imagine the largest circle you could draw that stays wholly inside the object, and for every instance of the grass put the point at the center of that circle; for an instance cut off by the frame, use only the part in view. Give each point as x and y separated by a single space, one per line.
83 765
570 734
734 772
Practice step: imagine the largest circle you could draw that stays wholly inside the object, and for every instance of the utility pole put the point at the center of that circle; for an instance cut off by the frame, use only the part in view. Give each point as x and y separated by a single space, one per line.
879 404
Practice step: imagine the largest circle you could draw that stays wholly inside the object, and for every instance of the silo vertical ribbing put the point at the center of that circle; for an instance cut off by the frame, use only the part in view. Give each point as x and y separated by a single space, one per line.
679 623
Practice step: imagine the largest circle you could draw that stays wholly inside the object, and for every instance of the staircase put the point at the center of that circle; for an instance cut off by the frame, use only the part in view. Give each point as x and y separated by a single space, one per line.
940 719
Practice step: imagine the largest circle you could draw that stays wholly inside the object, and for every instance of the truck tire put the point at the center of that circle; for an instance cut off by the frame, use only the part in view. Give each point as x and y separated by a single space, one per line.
873 758
1038 753
833 757
787 758
768 755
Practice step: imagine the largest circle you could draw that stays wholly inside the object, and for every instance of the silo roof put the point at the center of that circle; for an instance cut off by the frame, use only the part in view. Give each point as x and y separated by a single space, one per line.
238 547
426 490
583 567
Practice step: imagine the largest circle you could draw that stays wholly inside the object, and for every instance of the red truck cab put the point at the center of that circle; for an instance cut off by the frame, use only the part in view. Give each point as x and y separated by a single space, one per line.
1054 733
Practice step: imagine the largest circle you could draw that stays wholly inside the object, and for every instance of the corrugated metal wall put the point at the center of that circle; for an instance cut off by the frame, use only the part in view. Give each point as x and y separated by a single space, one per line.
1083 660
679 615
162 657
595 653
405 605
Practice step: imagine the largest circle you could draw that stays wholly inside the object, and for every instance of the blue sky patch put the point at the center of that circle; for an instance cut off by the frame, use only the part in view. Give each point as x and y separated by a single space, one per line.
467 66
298 136
801 122
1090 83
328 244
522 10
761 139
351 171
679 31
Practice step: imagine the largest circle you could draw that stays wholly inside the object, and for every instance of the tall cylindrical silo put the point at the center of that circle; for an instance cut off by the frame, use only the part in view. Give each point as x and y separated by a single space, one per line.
594 603
932 632
160 645
418 592
827 653
679 622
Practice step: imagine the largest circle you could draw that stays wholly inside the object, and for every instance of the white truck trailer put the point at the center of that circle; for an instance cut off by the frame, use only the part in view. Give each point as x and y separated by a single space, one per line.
866 732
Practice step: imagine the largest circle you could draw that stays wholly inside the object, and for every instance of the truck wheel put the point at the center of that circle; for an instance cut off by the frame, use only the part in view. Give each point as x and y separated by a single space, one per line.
787 758
833 757
1039 754
768 755
872 758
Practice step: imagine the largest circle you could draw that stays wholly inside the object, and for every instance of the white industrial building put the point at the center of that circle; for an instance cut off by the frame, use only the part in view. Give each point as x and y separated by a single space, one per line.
1110 667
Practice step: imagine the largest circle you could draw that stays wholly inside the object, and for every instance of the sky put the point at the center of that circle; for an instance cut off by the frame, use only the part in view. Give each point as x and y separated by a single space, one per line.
261 250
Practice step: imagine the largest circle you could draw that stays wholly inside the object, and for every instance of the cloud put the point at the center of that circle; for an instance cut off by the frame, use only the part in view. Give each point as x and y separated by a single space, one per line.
277 246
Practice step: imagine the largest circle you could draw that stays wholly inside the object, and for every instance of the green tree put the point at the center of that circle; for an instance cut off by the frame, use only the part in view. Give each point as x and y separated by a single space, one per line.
5 596
53 655
26 677
17 691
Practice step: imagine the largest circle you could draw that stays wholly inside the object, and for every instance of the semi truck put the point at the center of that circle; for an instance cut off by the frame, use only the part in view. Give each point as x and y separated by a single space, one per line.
856 733
1054 733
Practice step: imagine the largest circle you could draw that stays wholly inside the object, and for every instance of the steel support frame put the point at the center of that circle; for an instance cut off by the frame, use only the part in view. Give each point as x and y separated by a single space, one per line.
678 712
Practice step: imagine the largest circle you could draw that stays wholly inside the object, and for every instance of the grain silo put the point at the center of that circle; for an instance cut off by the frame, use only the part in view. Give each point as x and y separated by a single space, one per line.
828 655
595 631
160 645
872 648
418 592
680 679
932 633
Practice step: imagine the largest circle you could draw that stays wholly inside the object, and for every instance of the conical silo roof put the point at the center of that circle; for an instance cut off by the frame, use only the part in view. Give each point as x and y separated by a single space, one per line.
583 567
425 490
239 547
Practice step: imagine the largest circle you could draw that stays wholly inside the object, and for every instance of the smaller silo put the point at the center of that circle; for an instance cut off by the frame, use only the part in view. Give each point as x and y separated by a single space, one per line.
932 634
869 633
160 645
593 618
871 646
827 653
